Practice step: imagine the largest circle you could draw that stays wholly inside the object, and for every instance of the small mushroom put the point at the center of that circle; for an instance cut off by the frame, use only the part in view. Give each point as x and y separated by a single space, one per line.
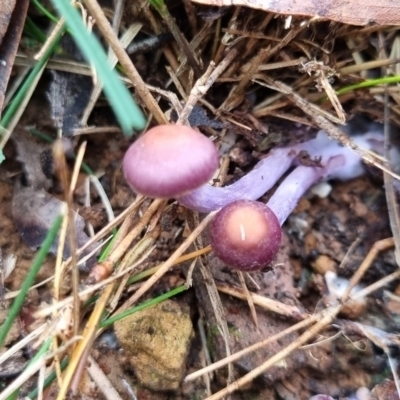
246 235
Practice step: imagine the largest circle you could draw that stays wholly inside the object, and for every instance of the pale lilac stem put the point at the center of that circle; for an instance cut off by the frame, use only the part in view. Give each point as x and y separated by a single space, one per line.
336 162
252 186
292 189
296 184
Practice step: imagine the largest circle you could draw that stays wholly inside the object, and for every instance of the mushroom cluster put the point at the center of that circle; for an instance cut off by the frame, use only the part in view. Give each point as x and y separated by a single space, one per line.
174 161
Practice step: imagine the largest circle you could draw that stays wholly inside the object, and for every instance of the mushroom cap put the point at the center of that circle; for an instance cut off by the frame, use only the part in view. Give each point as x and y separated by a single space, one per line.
170 160
246 235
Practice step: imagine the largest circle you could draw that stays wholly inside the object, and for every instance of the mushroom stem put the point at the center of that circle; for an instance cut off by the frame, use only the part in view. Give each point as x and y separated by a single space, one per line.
334 162
292 189
252 186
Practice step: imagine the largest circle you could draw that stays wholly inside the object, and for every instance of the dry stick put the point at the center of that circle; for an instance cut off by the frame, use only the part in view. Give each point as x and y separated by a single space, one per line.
145 246
224 42
33 368
84 294
312 108
22 343
112 224
204 83
68 223
213 295
156 27
101 380
126 39
126 242
254 40
125 61
355 68
248 298
71 224
327 317
264 302
332 131
169 263
362 293
391 197
377 247
181 40
42 313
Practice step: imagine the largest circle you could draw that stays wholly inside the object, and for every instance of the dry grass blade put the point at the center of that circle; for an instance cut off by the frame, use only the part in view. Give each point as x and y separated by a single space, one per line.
236 96
35 367
327 126
168 264
91 325
391 198
22 343
125 61
254 347
211 68
102 381
204 83
248 297
264 302
125 41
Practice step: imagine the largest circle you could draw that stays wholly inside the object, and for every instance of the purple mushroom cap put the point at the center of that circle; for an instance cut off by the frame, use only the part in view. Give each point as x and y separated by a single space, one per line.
170 160
246 235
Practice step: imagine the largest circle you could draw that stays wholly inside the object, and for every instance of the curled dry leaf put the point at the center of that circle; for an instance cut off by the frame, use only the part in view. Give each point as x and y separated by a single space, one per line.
354 12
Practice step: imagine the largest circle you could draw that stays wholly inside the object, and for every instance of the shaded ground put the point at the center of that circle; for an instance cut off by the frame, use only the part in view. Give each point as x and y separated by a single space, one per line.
333 233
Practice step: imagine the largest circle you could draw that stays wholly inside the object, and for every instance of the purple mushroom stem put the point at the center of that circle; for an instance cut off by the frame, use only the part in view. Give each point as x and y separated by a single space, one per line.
292 189
296 184
336 162
270 169
252 186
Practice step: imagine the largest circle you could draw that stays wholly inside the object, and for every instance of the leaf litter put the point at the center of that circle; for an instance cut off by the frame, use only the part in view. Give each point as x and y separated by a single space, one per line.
241 92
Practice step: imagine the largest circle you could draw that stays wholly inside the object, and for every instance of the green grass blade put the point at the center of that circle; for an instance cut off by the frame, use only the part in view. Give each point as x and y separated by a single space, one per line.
48 380
143 306
44 348
369 83
45 11
37 263
126 110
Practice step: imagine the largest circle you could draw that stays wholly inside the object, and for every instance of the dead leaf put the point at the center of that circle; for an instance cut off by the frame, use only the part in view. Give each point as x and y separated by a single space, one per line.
354 12
34 157
68 94
34 213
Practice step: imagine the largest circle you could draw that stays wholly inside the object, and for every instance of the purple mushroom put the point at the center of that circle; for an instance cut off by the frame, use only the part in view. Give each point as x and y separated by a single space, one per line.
177 161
